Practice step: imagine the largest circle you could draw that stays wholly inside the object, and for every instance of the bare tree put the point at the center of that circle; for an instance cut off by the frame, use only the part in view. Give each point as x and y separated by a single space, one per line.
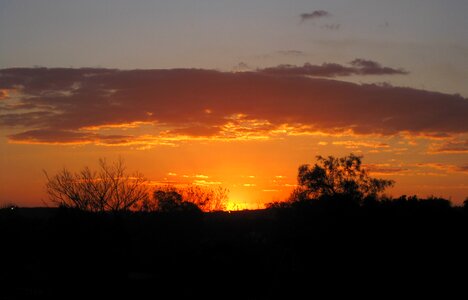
110 188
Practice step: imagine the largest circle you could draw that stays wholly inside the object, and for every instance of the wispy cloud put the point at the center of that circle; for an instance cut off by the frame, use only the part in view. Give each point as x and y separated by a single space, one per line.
451 146
205 182
358 144
52 136
448 168
333 26
316 14
291 52
385 169
249 184
241 67
418 169
356 67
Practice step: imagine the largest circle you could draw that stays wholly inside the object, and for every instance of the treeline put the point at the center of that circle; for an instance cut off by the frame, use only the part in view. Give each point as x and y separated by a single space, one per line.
112 188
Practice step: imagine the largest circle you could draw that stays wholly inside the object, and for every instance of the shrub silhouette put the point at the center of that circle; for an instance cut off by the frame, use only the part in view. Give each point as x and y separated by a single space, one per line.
207 199
170 198
167 199
333 177
110 188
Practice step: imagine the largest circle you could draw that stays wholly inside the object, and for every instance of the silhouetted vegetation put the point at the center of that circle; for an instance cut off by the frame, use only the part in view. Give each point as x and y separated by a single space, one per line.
345 240
169 199
337 177
112 188
109 189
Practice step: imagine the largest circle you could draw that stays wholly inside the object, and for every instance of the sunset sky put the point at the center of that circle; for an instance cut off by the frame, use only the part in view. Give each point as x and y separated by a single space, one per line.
234 93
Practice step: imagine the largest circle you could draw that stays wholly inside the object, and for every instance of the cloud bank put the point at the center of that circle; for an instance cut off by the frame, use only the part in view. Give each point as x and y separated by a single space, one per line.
121 107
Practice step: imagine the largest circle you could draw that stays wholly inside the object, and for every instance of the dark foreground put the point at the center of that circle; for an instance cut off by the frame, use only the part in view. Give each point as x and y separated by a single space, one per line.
401 249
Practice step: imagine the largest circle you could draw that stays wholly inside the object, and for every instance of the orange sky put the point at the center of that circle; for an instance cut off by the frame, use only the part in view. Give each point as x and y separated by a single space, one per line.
254 153
234 93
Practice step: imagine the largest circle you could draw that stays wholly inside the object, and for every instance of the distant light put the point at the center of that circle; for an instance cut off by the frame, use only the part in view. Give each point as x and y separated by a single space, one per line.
12 208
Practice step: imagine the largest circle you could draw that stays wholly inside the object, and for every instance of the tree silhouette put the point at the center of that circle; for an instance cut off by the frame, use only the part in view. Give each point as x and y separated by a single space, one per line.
169 198
110 188
331 177
207 199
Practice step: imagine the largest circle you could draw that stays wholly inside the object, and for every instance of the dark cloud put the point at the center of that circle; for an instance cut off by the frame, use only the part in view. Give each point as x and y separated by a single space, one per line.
436 135
369 67
52 136
316 14
66 103
356 67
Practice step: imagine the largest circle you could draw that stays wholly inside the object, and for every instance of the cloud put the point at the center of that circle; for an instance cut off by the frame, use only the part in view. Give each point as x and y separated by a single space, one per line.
356 67
3 94
195 130
291 52
331 26
52 136
241 67
205 182
369 67
316 14
166 107
358 144
446 168
385 169
419 169
452 146
463 168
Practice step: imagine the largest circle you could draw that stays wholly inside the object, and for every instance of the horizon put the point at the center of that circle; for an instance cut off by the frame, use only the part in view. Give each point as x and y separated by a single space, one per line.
234 94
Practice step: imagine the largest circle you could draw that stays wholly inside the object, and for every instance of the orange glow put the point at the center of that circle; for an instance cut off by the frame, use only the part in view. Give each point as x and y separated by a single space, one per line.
254 155
117 126
255 172
4 93
236 206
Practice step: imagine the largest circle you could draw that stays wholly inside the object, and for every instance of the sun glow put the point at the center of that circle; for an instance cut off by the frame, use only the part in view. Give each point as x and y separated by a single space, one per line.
236 206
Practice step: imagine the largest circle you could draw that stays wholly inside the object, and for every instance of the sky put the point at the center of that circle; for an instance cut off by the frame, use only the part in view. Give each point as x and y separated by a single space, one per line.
234 93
